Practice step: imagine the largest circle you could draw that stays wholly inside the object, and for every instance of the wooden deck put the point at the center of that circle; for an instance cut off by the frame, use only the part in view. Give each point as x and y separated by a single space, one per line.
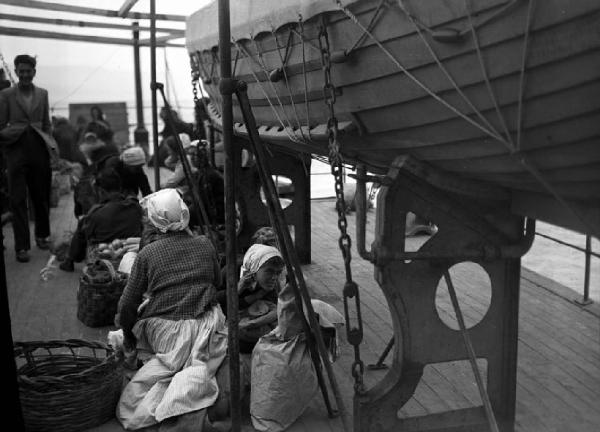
559 343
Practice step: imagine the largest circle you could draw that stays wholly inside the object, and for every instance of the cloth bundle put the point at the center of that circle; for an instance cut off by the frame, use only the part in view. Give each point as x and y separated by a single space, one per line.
133 156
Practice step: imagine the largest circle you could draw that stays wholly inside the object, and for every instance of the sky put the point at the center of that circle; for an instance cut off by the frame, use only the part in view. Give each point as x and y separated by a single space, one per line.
81 72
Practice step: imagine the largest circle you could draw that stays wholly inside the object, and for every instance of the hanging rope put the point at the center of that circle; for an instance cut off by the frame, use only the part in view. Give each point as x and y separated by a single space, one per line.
413 78
272 85
516 154
522 73
289 131
445 70
283 60
306 104
370 27
486 75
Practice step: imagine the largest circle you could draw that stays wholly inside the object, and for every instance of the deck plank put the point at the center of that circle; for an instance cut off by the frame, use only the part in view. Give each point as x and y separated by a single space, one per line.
558 377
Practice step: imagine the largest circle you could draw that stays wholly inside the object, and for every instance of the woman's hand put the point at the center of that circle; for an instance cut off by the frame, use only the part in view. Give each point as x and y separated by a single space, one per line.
252 298
129 341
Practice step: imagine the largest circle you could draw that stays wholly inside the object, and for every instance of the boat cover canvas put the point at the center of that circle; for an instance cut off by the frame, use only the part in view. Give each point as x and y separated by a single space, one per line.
249 18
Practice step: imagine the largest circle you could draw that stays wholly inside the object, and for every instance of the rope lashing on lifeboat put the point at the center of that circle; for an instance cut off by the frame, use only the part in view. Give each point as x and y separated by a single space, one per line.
454 35
522 72
351 290
361 39
487 406
289 130
513 150
445 71
306 104
486 76
283 60
259 56
413 78
241 49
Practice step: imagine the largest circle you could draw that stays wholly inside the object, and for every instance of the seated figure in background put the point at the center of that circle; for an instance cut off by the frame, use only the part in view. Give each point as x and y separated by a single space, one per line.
96 150
129 166
211 187
115 217
99 125
173 162
181 323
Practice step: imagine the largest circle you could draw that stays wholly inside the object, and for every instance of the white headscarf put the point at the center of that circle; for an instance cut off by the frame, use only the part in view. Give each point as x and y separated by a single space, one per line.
256 256
166 210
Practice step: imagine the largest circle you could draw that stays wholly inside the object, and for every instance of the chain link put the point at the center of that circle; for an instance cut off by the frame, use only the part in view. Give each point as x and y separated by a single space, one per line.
354 334
195 77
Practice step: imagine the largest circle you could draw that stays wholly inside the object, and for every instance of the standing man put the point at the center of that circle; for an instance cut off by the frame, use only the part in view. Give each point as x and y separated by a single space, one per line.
25 138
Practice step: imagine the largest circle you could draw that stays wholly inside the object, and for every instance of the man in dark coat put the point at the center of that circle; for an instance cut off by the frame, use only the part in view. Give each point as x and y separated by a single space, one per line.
29 149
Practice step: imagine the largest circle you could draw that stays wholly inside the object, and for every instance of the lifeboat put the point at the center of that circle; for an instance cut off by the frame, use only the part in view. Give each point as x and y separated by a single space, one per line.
501 95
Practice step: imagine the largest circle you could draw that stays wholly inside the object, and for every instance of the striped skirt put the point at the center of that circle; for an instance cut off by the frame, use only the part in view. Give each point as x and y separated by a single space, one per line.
180 376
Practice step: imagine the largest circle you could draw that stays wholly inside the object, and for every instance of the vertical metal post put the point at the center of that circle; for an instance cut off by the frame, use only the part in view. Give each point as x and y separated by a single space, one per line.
586 283
12 387
140 134
154 101
211 141
226 89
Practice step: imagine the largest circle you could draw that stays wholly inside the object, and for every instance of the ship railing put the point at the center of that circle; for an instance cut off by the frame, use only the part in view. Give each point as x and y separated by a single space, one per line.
585 300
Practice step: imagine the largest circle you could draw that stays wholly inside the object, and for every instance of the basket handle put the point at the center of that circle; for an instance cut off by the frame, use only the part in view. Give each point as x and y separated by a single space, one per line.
110 268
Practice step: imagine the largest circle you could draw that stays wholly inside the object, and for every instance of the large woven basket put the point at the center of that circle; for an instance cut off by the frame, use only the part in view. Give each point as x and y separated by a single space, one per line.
100 288
67 386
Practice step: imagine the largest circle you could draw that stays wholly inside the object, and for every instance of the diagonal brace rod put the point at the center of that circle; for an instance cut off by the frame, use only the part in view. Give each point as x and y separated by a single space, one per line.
312 329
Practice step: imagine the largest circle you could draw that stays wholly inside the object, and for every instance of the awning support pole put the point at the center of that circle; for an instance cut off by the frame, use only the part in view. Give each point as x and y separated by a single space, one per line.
231 240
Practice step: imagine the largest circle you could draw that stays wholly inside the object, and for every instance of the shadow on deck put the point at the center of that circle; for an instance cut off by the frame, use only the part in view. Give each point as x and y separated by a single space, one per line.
559 342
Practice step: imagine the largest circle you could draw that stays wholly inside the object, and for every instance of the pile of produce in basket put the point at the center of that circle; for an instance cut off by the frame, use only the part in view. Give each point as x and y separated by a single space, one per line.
118 247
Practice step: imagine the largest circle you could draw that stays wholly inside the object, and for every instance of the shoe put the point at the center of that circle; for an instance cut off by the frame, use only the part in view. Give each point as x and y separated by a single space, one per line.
42 243
67 265
23 256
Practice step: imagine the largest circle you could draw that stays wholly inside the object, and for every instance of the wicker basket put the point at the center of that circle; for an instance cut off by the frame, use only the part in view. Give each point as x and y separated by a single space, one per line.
67 386
100 288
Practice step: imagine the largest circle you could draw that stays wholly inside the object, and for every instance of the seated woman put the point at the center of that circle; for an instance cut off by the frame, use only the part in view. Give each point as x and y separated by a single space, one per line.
115 217
129 166
283 378
99 125
258 288
177 178
181 323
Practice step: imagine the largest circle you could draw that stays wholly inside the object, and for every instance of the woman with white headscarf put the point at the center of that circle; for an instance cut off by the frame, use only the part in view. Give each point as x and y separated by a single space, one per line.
181 323
258 288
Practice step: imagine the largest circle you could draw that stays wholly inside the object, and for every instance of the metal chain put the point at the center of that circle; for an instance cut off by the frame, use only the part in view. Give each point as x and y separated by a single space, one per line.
354 334
195 76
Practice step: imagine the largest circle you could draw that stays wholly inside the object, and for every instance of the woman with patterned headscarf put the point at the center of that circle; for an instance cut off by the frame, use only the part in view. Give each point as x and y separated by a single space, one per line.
181 324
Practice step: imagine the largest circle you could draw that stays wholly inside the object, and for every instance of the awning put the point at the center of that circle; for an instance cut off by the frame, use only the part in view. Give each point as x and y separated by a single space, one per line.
249 18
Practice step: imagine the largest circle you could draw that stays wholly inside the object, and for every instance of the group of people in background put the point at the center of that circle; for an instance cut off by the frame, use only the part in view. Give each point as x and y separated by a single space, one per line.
172 305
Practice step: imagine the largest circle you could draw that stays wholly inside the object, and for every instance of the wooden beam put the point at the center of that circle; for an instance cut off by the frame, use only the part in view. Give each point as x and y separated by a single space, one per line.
12 31
126 7
89 24
34 4
159 39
